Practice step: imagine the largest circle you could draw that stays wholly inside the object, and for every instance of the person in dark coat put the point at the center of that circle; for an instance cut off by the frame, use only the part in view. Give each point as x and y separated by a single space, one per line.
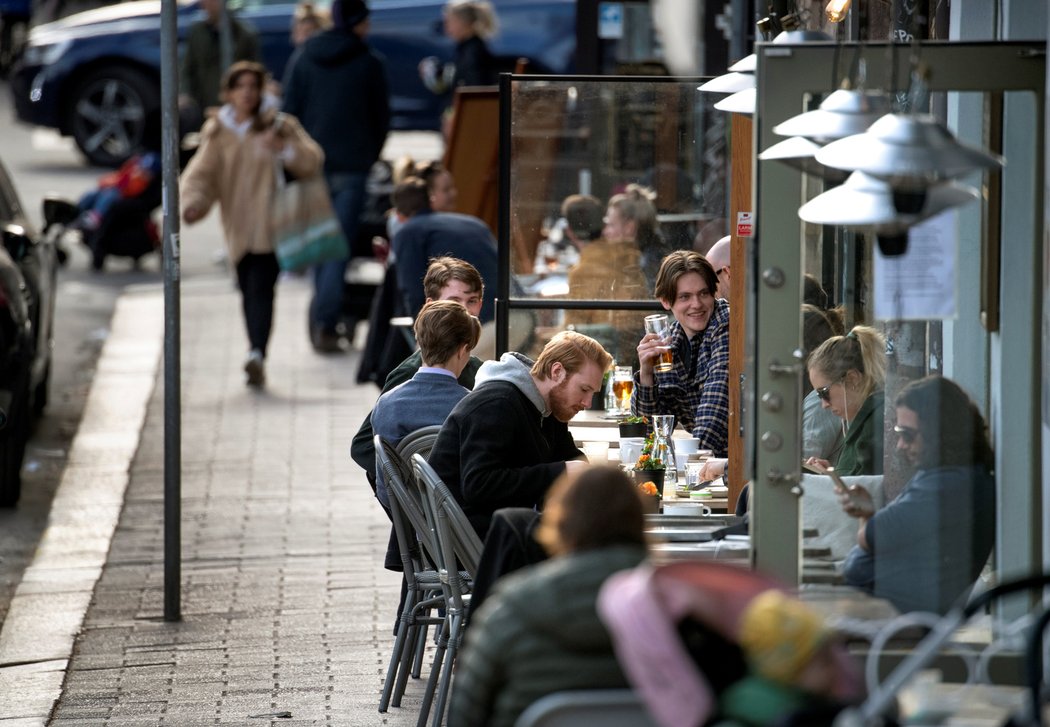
426 235
508 440
469 24
337 87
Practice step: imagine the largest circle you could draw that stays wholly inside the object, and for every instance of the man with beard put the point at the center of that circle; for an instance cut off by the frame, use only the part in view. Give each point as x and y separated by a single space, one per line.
508 440
696 388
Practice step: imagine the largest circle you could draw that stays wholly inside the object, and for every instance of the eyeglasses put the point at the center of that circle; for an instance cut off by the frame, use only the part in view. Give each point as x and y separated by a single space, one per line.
824 393
721 270
907 434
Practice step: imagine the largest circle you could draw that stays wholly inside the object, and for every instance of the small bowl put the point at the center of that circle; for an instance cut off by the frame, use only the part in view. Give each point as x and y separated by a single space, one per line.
687 445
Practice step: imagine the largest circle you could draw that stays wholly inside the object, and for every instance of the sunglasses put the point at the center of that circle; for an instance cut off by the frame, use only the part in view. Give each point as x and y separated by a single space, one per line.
906 433
824 393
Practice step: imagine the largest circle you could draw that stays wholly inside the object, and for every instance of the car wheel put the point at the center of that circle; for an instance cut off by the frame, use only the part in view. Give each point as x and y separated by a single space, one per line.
109 110
13 440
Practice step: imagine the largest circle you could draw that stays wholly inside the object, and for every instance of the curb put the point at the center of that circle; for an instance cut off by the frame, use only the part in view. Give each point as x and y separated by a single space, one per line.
48 608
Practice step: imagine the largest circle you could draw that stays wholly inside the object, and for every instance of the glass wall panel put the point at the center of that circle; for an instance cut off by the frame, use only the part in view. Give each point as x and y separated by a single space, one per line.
606 176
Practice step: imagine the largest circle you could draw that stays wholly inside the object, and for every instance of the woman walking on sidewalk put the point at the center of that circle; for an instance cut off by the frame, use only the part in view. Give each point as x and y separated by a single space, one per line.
235 165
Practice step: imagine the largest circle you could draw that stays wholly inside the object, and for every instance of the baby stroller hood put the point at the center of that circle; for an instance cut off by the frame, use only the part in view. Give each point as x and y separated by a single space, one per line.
642 608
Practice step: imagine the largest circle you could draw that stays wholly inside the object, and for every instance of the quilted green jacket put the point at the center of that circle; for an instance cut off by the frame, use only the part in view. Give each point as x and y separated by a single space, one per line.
536 634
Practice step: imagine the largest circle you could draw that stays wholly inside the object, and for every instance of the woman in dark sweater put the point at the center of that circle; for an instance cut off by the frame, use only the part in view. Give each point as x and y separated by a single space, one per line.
469 24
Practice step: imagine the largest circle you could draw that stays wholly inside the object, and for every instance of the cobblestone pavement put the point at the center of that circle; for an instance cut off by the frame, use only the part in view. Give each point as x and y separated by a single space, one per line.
285 605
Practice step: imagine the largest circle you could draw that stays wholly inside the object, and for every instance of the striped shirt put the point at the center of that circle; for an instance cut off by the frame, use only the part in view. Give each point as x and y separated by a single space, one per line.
697 395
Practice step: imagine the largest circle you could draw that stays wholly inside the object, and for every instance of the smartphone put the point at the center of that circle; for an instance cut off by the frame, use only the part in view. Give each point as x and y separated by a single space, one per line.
840 486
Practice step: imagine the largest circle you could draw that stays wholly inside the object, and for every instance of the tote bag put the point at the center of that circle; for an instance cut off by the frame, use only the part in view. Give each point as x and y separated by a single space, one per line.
306 230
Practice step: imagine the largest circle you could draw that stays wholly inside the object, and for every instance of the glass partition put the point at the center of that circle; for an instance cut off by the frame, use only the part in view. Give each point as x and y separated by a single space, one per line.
605 176
920 367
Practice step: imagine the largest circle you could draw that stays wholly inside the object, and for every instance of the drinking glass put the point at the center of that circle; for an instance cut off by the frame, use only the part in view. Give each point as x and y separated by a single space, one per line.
659 325
623 386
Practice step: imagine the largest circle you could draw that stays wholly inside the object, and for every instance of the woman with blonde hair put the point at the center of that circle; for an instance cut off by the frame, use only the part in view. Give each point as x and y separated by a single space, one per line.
848 374
469 24
242 149
631 218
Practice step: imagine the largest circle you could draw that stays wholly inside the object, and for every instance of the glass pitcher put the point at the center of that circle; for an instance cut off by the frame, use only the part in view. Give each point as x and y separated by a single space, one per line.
663 447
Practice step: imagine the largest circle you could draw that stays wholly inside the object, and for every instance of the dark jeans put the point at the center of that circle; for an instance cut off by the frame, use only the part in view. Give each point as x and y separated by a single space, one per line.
257 277
347 191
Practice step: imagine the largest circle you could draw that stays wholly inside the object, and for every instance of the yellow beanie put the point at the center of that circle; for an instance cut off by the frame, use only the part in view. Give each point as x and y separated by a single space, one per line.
780 635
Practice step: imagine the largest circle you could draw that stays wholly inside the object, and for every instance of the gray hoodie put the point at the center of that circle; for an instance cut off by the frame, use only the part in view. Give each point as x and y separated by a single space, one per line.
514 368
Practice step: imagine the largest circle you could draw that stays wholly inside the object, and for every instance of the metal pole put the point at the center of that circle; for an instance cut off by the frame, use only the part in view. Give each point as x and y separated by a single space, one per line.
169 89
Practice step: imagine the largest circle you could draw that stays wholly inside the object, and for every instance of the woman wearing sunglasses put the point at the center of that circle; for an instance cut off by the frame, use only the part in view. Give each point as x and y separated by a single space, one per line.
927 547
848 373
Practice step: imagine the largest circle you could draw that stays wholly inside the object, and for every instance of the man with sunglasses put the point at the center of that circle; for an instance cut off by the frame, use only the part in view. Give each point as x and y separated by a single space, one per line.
927 547
719 257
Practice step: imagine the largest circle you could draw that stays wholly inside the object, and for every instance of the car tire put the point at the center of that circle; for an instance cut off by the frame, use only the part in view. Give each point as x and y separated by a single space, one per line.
13 439
108 113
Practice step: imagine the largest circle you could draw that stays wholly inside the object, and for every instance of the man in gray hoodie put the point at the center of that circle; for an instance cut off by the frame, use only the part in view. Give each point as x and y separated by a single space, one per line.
508 440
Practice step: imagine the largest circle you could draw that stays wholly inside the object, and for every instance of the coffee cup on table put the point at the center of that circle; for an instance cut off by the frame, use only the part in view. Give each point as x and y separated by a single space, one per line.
631 449
688 445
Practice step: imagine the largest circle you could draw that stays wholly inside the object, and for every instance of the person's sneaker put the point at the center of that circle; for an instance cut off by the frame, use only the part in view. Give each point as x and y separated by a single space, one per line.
254 368
326 342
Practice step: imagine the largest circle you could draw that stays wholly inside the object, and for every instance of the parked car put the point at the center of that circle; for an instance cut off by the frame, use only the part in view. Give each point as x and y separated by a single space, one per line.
95 75
28 266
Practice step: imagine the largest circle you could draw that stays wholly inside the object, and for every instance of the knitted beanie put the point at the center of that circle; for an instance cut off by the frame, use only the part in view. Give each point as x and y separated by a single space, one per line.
348 13
780 635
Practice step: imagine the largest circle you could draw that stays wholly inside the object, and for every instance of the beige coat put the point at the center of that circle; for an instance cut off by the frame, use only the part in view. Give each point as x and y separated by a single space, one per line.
239 174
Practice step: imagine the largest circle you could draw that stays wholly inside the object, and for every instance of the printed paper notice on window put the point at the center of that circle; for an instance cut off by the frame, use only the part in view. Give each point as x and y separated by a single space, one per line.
920 284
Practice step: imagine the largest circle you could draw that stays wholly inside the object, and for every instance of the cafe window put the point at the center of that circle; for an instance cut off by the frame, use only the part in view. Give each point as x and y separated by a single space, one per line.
605 176
915 399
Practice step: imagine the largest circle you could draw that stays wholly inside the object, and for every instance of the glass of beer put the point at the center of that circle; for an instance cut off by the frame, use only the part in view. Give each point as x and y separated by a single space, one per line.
659 325
623 386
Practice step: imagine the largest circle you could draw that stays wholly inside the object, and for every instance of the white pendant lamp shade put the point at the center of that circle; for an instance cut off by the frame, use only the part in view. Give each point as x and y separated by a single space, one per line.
843 113
747 64
865 201
741 102
907 149
798 152
729 83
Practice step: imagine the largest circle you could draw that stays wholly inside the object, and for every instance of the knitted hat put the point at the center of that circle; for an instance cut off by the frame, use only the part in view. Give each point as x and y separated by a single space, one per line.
780 635
348 13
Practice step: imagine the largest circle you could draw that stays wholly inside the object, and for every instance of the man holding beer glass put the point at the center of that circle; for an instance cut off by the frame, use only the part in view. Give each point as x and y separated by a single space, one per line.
684 365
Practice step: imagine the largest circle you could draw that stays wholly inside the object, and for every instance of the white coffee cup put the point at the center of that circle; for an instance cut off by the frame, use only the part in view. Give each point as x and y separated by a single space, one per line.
631 449
686 445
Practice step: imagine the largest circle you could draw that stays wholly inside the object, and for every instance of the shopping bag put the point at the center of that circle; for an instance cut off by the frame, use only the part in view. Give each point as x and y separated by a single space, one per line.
306 230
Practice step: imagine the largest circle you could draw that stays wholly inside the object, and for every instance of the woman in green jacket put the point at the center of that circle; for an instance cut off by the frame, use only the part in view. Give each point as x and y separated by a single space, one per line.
538 632
849 373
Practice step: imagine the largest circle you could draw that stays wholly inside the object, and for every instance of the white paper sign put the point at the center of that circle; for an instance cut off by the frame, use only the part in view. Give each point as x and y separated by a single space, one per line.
610 20
920 284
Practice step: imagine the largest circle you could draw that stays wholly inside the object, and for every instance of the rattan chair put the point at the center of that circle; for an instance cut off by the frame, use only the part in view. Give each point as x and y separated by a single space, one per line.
421 441
423 591
460 551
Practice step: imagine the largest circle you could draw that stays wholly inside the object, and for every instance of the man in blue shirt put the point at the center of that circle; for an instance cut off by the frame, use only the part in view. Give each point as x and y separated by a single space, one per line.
446 334
696 389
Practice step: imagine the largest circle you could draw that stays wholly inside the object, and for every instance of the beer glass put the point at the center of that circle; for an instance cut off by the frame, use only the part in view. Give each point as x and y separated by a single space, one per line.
659 325
623 386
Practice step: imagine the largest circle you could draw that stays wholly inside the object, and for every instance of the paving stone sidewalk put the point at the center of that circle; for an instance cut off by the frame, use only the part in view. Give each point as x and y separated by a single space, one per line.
285 605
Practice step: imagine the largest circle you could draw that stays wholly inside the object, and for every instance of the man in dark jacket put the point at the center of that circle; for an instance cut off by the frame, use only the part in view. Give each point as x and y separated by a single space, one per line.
426 235
337 87
508 440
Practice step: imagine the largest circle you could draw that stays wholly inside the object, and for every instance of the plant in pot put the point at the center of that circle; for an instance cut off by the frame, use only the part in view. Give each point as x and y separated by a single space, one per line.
633 426
650 468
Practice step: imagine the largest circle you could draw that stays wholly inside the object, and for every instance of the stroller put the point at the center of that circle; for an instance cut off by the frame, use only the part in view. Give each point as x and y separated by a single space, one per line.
116 217
715 644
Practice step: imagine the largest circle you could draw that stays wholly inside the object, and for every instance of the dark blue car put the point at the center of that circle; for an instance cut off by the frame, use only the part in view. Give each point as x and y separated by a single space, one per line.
95 75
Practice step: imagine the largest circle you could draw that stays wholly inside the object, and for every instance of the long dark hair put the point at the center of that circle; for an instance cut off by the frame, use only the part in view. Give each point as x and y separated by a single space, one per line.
953 431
